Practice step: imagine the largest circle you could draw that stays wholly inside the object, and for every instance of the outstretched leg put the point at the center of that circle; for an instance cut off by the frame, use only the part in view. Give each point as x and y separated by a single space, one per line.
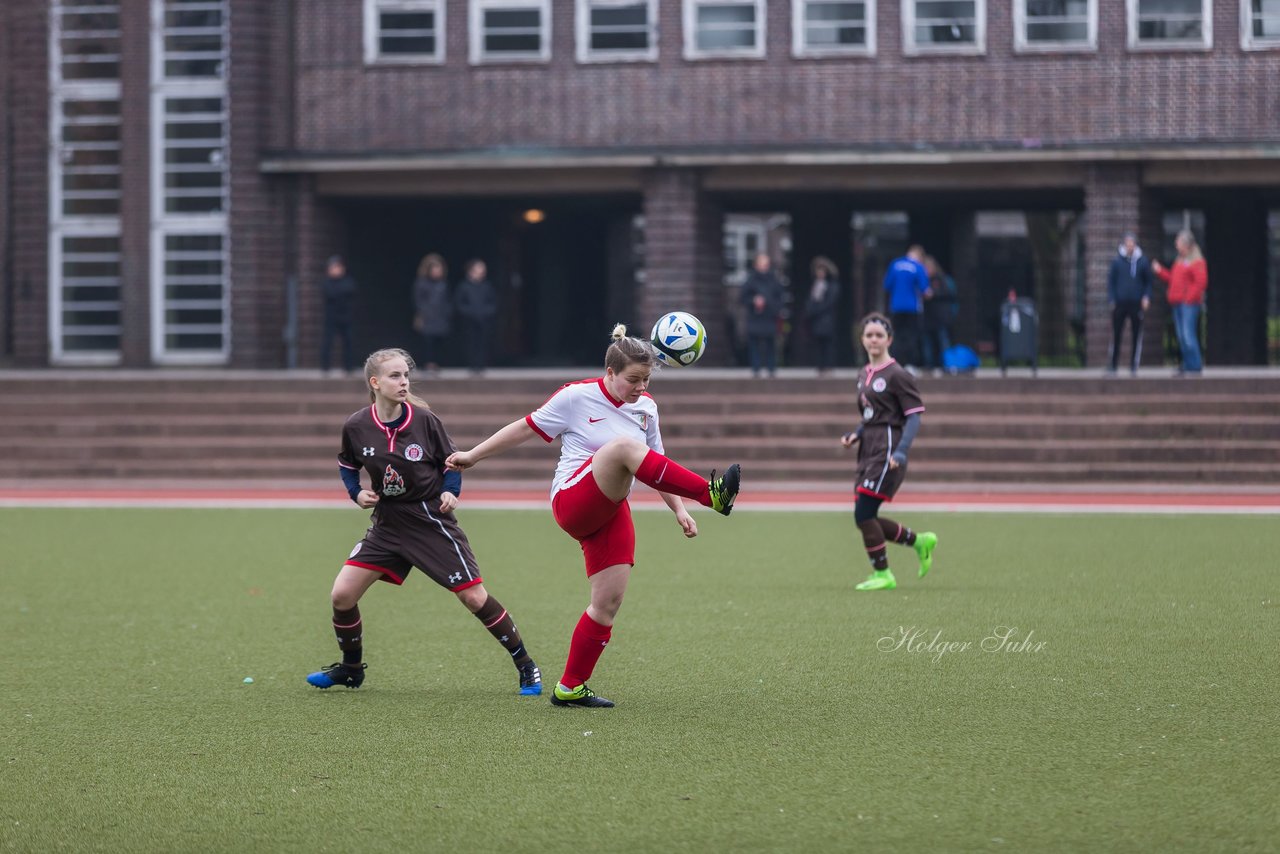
348 587
497 620
620 461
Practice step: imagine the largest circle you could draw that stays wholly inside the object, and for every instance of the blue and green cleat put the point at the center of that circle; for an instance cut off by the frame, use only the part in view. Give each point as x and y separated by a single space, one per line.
350 675
530 679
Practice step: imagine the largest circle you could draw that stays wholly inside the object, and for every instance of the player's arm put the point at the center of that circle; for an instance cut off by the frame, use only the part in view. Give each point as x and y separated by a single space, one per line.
516 433
687 524
848 439
909 431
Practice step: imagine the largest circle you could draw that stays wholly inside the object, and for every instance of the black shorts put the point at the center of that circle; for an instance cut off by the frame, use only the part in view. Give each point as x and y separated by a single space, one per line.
875 478
405 535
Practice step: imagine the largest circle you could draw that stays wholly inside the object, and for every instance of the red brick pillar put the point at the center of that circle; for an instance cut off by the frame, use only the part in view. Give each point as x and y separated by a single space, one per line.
684 257
135 184
1116 203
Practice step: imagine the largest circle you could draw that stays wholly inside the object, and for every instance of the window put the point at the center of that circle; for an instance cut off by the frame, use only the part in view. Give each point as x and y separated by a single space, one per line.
833 27
84 182
944 26
510 30
404 31
1260 24
1170 24
724 28
193 39
612 30
1055 25
190 191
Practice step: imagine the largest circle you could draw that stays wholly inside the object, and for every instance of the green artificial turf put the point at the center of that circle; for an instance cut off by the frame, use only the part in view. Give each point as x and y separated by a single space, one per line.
762 704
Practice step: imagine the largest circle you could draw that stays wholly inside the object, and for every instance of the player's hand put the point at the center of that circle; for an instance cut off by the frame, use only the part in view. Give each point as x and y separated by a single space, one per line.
367 498
458 460
448 501
689 526
848 440
897 461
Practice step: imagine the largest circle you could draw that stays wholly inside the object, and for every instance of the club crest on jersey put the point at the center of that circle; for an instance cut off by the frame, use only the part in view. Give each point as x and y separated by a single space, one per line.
643 418
867 413
413 453
356 550
392 483
878 384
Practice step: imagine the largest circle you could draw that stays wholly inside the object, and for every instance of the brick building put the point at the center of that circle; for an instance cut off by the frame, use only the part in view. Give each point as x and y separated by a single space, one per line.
174 172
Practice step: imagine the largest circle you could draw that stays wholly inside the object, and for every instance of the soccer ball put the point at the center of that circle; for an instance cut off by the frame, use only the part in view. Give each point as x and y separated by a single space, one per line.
679 338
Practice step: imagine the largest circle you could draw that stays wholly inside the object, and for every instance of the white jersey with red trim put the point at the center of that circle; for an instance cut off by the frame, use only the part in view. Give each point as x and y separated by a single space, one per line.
585 416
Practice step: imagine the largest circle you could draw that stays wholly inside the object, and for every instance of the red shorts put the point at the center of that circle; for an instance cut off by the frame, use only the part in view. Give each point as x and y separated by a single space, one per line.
602 527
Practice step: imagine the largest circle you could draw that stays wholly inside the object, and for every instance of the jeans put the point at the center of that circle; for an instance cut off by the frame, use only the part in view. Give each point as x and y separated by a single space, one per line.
1186 322
1130 312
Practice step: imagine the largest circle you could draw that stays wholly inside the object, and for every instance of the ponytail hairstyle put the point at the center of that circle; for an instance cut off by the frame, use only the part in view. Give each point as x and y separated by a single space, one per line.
624 351
875 317
1193 248
373 365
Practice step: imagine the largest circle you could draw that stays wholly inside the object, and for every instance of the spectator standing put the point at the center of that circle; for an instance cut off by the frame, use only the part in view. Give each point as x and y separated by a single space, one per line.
432 309
339 291
907 283
940 310
476 301
820 311
1129 296
1188 279
762 297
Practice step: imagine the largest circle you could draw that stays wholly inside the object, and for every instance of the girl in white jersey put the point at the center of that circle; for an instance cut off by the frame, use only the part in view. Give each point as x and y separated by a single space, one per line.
609 434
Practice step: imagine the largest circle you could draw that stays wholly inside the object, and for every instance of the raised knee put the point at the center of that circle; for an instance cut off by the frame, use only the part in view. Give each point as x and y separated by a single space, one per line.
343 599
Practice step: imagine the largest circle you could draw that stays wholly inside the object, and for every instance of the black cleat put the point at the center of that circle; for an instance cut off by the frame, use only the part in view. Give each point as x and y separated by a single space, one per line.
350 675
530 679
580 696
725 488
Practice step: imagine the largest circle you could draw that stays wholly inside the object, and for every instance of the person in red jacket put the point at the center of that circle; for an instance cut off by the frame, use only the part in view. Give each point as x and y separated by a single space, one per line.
1187 280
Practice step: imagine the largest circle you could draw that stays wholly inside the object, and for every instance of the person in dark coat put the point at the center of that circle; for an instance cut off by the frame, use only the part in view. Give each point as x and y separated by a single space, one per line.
476 301
432 309
820 311
1129 296
762 297
339 291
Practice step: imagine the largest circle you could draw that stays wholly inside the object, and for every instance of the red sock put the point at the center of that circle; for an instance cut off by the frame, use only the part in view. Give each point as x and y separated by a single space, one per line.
667 475
588 642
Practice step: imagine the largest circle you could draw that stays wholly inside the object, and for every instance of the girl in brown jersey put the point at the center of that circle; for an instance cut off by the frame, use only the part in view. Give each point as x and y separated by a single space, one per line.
402 446
890 406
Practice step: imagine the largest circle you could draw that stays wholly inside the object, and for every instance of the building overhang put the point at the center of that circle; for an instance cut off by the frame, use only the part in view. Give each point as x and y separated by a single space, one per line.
516 172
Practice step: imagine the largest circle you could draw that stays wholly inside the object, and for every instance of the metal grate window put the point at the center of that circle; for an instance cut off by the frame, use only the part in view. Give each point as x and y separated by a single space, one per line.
195 293
828 27
193 39
194 155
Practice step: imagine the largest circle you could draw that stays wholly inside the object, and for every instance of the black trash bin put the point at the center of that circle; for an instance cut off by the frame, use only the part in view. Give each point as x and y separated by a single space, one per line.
1019 334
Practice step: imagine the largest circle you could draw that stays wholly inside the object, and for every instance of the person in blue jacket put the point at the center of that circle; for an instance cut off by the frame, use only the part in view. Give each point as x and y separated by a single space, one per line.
907 283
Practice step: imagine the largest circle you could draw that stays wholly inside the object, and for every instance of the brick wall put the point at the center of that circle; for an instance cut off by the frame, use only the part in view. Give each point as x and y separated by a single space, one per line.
1002 98
28 34
6 185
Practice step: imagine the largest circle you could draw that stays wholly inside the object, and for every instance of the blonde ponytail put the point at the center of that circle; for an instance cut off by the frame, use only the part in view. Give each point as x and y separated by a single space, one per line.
374 363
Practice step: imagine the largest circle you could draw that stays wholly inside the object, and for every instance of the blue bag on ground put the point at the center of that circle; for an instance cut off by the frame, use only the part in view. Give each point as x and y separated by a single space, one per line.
959 359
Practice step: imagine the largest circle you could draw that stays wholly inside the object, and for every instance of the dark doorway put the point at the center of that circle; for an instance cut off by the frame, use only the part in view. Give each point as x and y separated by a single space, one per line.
555 264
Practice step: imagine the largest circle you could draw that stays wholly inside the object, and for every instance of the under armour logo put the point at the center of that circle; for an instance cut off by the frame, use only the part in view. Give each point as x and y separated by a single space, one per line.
455 577
504 638
368 452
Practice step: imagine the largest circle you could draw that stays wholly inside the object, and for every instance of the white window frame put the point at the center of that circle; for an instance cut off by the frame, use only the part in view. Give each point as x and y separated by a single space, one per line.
910 48
163 223
373 33
476 28
582 26
691 49
1247 39
62 225
1206 31
1021 44
800 50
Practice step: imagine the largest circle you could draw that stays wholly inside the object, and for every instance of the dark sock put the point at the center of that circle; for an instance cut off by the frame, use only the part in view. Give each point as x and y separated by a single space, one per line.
873 539
897 533
349 628
499 623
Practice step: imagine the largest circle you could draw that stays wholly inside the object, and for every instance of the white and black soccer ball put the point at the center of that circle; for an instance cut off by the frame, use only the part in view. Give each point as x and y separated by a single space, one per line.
679 338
